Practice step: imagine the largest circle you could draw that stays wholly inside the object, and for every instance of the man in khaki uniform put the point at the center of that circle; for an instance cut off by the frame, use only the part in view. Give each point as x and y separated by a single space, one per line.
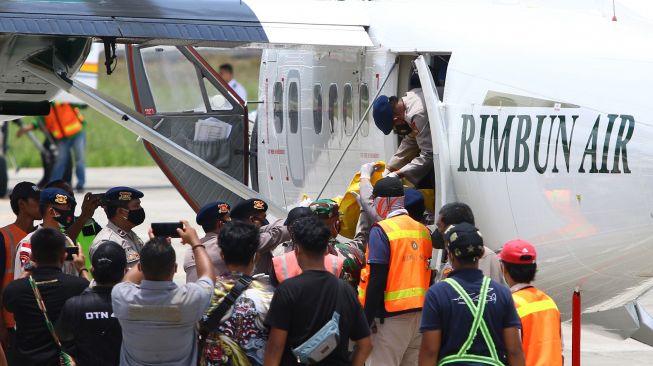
212 217
254 211
123 208
407 116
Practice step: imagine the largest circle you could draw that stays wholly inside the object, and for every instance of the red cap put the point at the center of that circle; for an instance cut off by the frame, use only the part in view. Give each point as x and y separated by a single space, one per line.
518 252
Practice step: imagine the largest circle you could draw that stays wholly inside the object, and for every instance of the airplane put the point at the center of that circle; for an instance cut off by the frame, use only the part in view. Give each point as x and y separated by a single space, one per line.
539 112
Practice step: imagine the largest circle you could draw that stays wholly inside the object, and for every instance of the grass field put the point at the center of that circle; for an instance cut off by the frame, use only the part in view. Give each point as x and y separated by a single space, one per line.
109 144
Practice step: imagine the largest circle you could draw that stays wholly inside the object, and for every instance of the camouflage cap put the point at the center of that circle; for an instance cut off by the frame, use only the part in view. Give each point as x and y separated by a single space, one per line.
324 208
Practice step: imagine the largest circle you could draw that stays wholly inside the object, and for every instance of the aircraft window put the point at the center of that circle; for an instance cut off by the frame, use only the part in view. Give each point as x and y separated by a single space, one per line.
364 103
348 110
173 81
278 107
317 108
217 100
333 107
293 107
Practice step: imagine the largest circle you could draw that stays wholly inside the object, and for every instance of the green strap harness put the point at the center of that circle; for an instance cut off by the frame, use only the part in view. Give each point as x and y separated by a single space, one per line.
478 323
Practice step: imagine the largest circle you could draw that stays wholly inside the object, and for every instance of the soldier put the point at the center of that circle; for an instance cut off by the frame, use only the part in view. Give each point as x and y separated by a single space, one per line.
352 251
212 217
124 211
254 211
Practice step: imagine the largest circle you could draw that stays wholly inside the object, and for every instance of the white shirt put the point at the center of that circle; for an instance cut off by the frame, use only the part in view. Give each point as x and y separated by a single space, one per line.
24 253
242 93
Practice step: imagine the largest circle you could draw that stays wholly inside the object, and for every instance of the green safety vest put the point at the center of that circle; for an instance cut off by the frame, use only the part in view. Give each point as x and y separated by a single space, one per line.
478 324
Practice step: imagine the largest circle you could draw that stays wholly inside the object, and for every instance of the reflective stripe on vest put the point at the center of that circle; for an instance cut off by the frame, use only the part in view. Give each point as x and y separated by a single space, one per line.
477 311
63 121
408 273
286 266
541 333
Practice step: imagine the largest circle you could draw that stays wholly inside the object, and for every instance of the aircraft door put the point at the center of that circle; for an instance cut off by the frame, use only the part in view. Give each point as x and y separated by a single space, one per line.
190 104
443 178
294 130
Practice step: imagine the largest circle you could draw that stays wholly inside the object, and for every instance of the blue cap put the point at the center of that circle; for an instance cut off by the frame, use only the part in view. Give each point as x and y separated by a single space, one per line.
212 211
414 203
56 196
122 194
382 113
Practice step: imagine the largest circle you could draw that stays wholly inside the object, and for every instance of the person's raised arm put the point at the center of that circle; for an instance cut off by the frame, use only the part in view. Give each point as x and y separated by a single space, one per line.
275 346
203 264
430 348
362 350
512 340
89 205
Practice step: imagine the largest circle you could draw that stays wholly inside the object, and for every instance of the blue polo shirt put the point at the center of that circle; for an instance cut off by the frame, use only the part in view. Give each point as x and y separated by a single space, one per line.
445 310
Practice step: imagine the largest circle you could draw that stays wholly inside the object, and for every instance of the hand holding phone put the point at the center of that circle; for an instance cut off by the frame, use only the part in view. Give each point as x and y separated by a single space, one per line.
166 229
70 251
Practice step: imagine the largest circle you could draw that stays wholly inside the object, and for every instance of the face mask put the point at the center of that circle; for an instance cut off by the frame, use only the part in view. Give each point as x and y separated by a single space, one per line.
136 216
402 129
65 217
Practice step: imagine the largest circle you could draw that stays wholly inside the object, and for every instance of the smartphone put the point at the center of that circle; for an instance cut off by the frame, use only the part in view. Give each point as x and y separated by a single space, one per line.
99 196
166 229
69 253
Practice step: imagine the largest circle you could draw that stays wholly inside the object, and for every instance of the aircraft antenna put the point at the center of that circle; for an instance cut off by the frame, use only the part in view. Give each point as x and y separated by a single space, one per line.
614 12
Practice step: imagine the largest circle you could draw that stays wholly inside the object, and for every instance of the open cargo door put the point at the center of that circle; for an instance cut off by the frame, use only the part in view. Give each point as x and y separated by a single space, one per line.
186 101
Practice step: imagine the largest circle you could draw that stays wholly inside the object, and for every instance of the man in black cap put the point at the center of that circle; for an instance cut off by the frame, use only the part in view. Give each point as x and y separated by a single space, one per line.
396 277
468 317
56 207
24 201
124 211
87 328
212 218
254 211
407 117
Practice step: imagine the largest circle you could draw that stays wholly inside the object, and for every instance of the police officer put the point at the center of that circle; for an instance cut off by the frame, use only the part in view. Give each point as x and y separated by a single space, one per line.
254 211
212 218
407 116
124 211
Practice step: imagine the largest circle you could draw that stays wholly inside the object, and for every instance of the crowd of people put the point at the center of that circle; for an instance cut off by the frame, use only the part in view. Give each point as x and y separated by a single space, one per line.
291 291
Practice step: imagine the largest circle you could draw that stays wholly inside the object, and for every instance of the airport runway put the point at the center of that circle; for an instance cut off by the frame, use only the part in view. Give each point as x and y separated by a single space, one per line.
163 203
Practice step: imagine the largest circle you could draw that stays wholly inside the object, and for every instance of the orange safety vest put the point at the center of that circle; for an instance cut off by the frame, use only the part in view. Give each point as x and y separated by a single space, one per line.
286 266
409 274
540 319
63 121
11 235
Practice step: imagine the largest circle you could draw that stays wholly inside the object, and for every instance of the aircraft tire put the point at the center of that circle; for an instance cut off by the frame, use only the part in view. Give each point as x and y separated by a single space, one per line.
4 178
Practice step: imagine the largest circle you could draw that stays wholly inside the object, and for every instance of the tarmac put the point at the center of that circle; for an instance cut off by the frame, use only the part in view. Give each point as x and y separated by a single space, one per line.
163 203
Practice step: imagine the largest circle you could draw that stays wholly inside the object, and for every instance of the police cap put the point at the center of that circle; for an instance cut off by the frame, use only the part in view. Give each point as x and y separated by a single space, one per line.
122 194
465 241
382 113
244 209
56 196
212 211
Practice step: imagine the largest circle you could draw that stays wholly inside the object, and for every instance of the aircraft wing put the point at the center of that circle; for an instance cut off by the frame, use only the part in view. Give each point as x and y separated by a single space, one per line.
216 23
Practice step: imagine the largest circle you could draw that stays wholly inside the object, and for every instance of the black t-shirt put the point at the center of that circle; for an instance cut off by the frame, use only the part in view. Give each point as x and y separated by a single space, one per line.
34 343
88 325
304 304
